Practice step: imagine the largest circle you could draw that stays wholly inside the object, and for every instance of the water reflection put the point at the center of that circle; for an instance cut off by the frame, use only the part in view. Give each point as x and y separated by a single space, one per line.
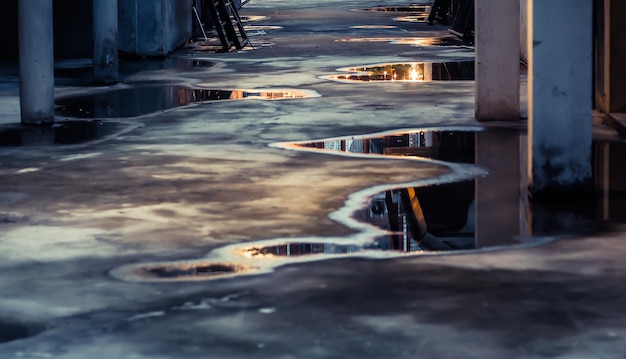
414 41
492 210
414 8
408 72
485 212
412 18
445 145
140 101
62 133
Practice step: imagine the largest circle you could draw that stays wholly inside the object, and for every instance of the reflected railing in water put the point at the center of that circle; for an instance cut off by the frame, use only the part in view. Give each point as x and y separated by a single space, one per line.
141 101
407 72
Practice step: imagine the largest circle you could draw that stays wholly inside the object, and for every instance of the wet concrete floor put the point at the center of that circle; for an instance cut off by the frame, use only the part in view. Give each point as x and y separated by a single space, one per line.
225 230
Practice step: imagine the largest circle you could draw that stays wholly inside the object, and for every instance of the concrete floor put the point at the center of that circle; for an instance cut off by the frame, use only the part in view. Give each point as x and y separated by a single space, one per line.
178 184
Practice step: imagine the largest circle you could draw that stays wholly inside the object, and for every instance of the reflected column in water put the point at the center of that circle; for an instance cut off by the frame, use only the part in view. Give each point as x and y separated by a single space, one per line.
498 209
37 136
610 172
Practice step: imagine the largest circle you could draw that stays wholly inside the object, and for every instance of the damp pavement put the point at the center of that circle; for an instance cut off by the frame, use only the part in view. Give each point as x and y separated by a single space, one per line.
165 217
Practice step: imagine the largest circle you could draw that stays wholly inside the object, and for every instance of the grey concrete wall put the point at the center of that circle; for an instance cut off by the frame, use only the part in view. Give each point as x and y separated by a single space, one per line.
154 28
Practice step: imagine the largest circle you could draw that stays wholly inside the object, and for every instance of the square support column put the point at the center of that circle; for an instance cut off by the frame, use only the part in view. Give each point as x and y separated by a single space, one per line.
497 60
105 54
560 95
36 62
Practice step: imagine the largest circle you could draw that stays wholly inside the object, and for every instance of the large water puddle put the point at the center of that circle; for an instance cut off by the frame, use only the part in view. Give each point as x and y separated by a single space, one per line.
481 204
412 8
446 41
411 13
74 132
12 330
145 100
407 72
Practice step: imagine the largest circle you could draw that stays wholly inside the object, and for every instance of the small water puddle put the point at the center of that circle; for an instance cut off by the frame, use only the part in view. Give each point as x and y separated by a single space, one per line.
80 71
71 132
413 41
407 72
373 27
145 100
12 330
413 8
189 271
412 18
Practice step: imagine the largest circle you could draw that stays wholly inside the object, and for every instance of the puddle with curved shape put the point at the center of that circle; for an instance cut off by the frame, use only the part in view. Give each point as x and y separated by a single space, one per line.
413 8
12 330
407 72
145 100
188 271
373 27
480 205
413 41
71 132
412 18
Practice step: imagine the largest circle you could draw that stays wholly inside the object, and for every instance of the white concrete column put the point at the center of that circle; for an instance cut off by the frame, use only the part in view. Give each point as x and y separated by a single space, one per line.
36 53
560 95
497 60
105 26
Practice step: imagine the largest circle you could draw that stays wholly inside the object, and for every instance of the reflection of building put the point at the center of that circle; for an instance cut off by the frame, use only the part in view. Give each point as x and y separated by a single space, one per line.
454 146
420 71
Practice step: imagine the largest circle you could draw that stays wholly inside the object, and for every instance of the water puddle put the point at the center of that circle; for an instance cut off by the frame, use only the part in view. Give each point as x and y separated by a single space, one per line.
407 72
11 330
63 133
412 41
189 271
413 8
412 18
373 27
413 13
251 18
145 100
480 205
259 30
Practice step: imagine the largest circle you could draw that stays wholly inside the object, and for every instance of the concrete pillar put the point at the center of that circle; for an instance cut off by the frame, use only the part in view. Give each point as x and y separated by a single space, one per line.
611 92
105 57
497 60
36 54
560 95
